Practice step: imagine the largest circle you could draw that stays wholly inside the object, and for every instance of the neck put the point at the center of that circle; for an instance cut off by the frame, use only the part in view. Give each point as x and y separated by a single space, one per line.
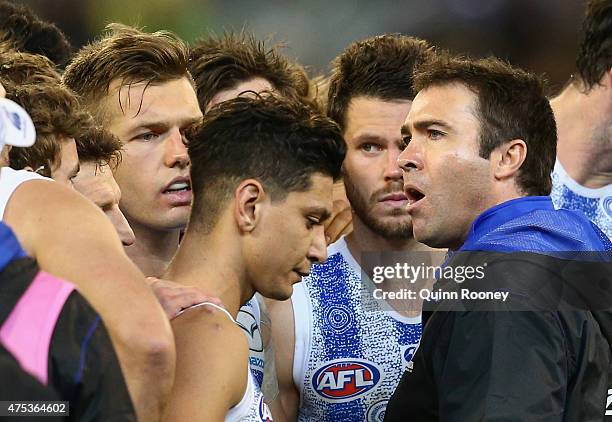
153 249
212 265
584 145
363 239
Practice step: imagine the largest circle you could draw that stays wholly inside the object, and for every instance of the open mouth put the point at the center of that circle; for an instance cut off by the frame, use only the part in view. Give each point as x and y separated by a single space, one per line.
178 187
414 195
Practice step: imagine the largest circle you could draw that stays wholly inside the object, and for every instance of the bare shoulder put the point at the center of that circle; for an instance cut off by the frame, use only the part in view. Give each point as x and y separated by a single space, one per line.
211 363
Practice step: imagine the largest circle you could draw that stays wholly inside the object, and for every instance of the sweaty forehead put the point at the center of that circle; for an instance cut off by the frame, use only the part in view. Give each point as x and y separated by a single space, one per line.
169 101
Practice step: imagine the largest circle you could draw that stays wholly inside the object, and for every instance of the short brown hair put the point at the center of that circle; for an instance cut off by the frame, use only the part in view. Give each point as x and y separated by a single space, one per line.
129 55
595 52
100 146
24 68
220 63
379 67
511 105
56 113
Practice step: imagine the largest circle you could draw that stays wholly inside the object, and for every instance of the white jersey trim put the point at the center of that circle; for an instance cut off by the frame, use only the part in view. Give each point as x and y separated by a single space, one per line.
10 180
565 179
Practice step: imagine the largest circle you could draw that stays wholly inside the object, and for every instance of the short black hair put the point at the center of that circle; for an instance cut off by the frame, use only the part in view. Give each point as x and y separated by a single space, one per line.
379 67
511 105
278 141
595 52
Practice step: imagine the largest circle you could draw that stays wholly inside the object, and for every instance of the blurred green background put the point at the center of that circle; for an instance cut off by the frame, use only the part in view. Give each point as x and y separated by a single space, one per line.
540 35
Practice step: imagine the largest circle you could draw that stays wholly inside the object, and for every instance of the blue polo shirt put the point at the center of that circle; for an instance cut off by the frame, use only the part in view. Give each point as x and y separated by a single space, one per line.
10 248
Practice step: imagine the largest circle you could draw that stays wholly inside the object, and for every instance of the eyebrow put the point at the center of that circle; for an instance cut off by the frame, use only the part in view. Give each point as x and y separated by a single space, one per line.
162 124
424 124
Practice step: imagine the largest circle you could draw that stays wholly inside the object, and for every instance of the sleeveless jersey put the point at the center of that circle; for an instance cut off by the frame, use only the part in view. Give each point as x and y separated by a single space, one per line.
10 180
252 407
596 204
349 352
249 319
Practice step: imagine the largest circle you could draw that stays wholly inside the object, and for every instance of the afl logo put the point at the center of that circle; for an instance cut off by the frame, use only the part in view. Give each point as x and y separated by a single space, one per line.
343 380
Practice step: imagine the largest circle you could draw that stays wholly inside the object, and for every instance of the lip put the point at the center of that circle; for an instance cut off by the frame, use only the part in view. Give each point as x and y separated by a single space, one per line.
395 200
301 274
411 202
177 199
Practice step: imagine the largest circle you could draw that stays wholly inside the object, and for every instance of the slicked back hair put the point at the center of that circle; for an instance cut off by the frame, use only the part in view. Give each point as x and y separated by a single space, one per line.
57 114
379 67
128 55
511 105
220 63
26 32
595 52
278 141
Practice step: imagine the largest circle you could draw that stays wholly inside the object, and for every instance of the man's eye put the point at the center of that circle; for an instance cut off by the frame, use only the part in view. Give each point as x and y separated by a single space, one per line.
149 136
312 221
370 148
435 134
405 141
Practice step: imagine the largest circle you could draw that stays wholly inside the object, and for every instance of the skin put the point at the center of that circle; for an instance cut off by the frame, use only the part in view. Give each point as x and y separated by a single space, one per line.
96 183
240 256
441 161
584 129
152 129
70 231
371 175
254 84
68 163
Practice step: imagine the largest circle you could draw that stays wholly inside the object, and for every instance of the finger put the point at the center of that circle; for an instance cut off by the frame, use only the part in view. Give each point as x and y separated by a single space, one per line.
340 225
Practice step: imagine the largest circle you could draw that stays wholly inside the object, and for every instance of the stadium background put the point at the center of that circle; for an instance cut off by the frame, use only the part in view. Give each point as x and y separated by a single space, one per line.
539 35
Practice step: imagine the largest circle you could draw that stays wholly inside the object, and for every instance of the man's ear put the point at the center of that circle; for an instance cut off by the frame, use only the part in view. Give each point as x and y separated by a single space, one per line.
508 158
250 199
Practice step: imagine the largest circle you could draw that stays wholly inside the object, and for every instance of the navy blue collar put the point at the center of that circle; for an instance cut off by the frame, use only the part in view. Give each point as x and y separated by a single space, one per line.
495 216
10 248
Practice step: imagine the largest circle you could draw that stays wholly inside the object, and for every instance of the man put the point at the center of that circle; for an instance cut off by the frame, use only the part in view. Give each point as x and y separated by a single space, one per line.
480 146
39 211
225 66
329 323
137 86
582 178
99 152
58 119
262 174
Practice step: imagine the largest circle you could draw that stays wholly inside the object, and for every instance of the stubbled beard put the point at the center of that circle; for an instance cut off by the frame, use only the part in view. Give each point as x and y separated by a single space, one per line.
363 206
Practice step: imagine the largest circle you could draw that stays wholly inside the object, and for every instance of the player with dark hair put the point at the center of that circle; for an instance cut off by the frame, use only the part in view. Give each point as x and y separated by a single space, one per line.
26 32
99 153
480 143
225 66
262 174
332 337
59 119
582 178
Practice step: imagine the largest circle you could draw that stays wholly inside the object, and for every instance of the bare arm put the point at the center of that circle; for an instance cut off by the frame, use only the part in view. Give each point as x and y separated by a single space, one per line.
283 334
72 239
211 366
